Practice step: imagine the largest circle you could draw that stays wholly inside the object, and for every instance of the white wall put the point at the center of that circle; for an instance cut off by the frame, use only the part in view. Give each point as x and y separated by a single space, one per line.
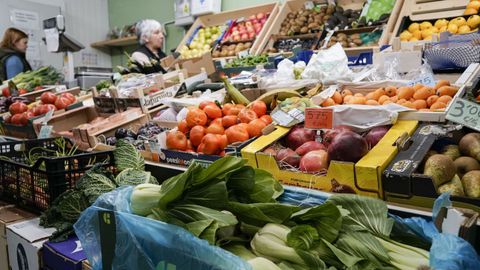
85 20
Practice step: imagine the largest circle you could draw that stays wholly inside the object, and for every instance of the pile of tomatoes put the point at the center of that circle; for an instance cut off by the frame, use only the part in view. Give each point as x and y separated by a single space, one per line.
209 128
20 113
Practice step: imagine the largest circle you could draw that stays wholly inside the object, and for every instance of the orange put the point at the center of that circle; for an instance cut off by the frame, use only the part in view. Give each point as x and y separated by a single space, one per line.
328 102
337 97
431 100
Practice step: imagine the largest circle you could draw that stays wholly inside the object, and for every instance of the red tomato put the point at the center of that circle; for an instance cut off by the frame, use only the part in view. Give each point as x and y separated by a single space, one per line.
62 103
23 119
70 97
16 119
48 98
49 107
22 91
6 92
38 88
17 107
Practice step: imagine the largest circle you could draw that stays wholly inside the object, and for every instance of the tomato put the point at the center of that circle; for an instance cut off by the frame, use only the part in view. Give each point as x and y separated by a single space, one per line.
204 104
213 111
229 120
23 119
234 110
259 107
49 107
266 118
200 148
215 129
189 146
226 108
48 98
22 91
211 144
17 107
183 127
176 140
195 117
236 134
247 116
255 127
223 141
38 88
16 119
70 97
40 109
29 114
196 135
6 92
62 103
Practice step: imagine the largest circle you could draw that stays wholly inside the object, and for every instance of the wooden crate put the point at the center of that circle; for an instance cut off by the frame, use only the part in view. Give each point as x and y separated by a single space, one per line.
418 10
223 17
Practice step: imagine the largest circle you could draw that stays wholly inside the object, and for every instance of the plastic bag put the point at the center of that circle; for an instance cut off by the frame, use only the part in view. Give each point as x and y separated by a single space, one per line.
328 65
449 252
143 243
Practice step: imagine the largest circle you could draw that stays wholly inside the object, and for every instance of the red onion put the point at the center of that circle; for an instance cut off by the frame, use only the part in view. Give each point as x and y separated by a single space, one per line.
347 146
331 133
299 135
375 135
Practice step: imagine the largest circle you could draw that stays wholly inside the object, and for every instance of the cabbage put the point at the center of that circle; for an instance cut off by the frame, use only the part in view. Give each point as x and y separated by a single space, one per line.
134 177
126 156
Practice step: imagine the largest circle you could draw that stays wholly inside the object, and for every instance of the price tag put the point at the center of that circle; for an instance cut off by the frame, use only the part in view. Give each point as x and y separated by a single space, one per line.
243 54
309 5
47 117
45 132
465 112
60 88
318 118
426 79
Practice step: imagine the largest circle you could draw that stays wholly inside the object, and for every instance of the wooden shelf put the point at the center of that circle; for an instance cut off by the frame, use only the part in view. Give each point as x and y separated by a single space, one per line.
118 42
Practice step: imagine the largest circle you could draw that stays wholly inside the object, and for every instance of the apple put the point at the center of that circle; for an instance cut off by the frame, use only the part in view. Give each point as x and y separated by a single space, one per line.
244 36
235 33
251 35
252 17
236 38
241 24
260 15
248 24
262 21
234 29
250 29
257 27
240 28
255 21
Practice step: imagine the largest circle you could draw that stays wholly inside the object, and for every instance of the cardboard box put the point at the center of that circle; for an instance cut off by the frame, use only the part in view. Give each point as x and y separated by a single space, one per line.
193 65
66 255
25 241
403 180
9 215
364 177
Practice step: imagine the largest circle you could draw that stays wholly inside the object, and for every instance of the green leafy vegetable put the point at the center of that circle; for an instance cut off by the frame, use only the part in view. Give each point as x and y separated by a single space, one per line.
266 188
134 177
94 183
302 237
126 156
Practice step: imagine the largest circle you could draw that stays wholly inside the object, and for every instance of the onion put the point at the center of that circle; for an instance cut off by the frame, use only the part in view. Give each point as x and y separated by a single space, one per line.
375 135
347 146
309 146
314 161
298 136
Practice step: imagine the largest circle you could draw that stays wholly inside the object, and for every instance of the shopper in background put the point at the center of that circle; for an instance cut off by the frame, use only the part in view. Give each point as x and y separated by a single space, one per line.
150 37
12 54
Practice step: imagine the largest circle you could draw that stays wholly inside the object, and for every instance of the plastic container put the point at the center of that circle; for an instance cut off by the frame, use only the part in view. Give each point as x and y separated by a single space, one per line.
36 186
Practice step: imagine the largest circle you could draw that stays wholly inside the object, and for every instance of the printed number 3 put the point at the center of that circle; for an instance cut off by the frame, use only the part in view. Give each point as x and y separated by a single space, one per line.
458 106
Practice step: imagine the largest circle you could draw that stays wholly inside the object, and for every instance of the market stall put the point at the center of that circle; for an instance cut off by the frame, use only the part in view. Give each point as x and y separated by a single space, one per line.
293 135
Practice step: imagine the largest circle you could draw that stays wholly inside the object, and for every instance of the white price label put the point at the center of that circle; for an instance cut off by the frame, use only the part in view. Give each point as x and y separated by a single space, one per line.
426 79
309 5
244 53
465 112
45 132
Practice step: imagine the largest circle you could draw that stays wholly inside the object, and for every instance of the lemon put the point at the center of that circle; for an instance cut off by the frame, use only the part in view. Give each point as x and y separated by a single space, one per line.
414 27
463 29
425 25
452 28
442 29
434 29
418 34
459 21
473 21
428 38
440 23
427 33
414 39
405 36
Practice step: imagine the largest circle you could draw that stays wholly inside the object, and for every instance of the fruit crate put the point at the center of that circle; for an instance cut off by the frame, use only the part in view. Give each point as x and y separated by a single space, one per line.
426 10
35 186
222 17
404 181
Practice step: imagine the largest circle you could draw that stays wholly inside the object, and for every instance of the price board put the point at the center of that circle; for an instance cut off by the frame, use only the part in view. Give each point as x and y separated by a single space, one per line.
465 112
319 118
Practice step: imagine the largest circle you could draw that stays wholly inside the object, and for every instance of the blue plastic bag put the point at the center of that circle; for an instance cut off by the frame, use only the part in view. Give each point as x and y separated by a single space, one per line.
143 243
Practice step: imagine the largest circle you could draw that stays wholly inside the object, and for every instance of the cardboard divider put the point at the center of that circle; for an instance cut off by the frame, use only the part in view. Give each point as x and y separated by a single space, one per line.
364 177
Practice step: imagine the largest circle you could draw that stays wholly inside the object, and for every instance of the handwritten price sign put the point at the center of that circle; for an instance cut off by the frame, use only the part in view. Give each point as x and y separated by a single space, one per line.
427 80
318 118
465 112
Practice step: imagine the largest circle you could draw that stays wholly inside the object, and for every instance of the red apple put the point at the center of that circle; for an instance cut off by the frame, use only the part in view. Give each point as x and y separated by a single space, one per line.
250 29
234 29
260 15
255 21
248 24
235 33
251 35
236 38
244 36
252 17
242 28
262 21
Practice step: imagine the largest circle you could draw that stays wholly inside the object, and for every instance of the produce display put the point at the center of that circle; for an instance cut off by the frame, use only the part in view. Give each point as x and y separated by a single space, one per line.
456 168
418 97
20 113
473 7
355 40
304 151
31 80
250 60
287 45
246 30
138 139
202 42
231 49
426 30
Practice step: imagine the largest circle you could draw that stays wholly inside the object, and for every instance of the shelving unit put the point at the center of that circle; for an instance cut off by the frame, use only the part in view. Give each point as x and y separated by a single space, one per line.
118 42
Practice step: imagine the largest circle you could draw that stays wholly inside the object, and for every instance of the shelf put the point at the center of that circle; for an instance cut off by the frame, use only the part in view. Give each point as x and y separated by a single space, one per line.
118 42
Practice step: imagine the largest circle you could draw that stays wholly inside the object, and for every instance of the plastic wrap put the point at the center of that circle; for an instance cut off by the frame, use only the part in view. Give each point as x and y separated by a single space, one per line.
328 65
155 245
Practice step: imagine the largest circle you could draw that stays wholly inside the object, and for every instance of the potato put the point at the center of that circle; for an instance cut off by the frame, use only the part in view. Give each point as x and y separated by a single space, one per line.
358 41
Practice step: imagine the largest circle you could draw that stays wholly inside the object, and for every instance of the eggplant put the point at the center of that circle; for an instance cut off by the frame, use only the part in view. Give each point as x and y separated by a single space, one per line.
111 140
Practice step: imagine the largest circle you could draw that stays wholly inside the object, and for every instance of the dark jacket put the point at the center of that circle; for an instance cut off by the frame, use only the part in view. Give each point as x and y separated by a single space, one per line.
4 54
157 67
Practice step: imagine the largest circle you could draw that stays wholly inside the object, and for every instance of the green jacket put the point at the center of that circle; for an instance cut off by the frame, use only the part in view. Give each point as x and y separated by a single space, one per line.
4 54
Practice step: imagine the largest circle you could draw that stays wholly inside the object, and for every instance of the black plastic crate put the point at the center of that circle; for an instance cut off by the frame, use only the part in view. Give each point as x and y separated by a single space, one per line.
36 186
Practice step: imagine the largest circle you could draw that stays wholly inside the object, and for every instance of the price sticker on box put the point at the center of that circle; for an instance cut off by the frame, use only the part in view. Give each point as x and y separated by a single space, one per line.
426 79
45 132
319 118
465 112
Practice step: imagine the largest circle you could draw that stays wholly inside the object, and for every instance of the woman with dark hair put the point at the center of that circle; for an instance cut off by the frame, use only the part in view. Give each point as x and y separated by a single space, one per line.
12 54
